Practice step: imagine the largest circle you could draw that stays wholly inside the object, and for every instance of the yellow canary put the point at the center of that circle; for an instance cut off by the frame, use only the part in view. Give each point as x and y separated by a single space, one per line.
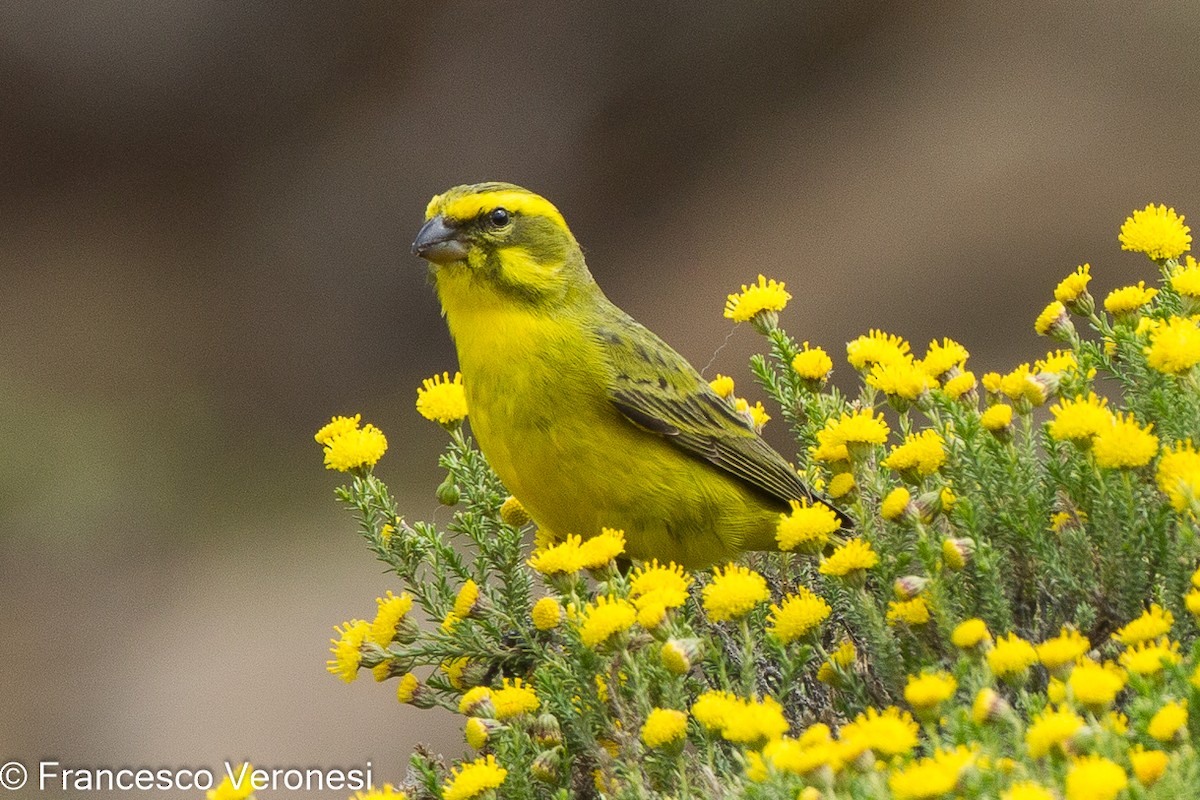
589 418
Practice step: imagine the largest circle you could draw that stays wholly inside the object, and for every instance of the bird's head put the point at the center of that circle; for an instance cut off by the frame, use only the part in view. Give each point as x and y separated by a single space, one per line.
497 238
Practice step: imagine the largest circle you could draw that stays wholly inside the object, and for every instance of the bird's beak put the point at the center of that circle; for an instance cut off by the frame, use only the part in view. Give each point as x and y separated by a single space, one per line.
439 242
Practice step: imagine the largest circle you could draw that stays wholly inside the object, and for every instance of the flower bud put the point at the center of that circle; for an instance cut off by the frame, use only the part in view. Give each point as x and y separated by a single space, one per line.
909 586
989 706
414 693
547 766
471 674
929 505
546 731
513 513
678 654
407 631
447 492
957 552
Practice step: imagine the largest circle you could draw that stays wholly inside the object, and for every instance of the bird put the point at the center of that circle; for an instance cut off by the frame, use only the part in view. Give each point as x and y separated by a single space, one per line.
588 418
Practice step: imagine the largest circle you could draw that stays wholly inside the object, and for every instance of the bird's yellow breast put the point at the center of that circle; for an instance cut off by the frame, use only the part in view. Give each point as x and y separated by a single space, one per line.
537 394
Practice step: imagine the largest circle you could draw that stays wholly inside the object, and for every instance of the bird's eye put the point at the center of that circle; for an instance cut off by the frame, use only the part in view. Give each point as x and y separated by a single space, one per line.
499 218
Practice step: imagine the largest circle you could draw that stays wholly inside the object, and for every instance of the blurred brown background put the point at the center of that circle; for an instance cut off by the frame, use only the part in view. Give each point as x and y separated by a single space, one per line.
205 215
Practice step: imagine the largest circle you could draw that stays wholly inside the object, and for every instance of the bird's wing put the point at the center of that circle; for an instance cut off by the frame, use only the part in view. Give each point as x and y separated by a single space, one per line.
657 389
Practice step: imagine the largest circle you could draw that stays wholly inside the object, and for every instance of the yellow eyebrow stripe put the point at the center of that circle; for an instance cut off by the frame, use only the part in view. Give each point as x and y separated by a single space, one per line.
472 205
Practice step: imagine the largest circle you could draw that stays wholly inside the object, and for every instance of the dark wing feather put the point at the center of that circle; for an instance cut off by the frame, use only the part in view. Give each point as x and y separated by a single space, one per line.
657 389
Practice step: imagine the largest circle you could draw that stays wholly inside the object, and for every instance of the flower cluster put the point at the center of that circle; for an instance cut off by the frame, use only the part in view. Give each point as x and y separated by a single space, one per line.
1013 614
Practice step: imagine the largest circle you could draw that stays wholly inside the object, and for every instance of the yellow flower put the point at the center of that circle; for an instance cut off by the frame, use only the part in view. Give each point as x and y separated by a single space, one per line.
349 447
598 551
1148 658
1011 657
1128 299
1094 777
467 599
956 551
861 427
988 705
472 779
337 427
391 612
664 726
921 454
565 557
514 699
547 613
840 660
1080 419
442 399
876 347
514 513
1021 384
764 297
473 702
713 708
1115 722
1056 362
805 755
959 385
909 612
997 417
895 504
1186 279
1026 790
601 620
1125 444
812 364
1192 601
476 732
456 672
742 721
1053 730
970 634
942 357
1178 475
1156 231
677 655
407 688
1062 650
347 649
932 777
227 789
1053 321
733 592
651 614
1096 685
841 485
1154 622
1072 287
385 792
902 378
798 615
656 584
1174 346
891 733
928 691
1148 765
1169 722
991 382
808 526
722 385
853 556
756 414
